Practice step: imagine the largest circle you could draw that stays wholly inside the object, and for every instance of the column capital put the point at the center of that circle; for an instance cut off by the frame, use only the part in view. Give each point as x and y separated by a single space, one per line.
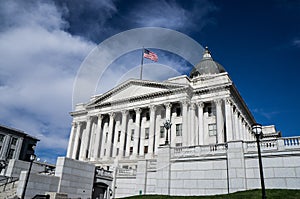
235 111
218 101
193 106
138 110
74 124
124 112
200 104
228 101
168 105
185 102
152 107
100 116
112 114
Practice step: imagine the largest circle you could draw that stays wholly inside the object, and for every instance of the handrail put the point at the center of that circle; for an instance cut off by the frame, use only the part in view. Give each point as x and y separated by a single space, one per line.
9 180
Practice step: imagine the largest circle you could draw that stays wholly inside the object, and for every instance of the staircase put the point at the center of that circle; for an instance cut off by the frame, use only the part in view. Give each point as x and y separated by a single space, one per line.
9 190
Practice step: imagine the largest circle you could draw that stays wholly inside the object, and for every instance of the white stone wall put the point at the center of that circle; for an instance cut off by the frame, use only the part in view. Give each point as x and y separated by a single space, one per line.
76 178
199 177
37 184
126 186
15 167
280 171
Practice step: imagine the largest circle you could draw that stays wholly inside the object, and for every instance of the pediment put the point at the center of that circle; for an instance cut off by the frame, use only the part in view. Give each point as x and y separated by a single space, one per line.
134 89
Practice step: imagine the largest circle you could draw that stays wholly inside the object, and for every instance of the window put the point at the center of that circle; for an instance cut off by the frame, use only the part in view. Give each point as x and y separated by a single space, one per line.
147 116
178 147
178 144
130 150
146 133
178 129
2 137
14 141
162 132
119 136
211 110
104 152
10 153
145 149
212 129
106 137
132 135
117 153
178 111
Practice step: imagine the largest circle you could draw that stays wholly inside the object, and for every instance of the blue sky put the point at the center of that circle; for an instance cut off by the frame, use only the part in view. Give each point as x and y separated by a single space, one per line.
43 43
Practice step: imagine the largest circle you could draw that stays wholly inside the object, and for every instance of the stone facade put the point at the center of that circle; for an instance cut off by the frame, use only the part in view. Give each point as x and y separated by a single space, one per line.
15 144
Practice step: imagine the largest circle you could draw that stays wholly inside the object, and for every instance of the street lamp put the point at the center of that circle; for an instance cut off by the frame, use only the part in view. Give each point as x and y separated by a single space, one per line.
257 131
32 158
167 125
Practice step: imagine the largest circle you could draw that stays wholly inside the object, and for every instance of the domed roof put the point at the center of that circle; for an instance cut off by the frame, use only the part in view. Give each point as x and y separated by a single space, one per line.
207 66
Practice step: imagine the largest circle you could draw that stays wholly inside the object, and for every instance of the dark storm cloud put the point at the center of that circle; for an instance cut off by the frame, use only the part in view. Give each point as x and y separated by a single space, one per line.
88 18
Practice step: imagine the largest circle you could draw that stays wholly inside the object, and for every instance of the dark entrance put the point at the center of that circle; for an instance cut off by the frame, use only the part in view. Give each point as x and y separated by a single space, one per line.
100 191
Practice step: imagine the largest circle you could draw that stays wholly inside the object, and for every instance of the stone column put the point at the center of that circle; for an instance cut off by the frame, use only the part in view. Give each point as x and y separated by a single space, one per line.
228 113
77 138
109 144
136 131
86 139
18 147
241 127
5 146
201 124
128 140
157 127
152 129
185 136
236 124
123 133
98 143
192 126
142 136
71 140
103 144
220 122
92 138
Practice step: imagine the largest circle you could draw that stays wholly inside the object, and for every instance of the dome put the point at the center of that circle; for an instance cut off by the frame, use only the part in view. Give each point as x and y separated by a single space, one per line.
207 66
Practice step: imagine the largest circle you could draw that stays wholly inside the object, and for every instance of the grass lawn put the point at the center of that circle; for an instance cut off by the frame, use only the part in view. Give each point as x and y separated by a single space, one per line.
252 194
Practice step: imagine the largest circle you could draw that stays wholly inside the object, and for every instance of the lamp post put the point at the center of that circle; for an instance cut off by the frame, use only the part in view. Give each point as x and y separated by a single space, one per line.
257 131
167 125
32 158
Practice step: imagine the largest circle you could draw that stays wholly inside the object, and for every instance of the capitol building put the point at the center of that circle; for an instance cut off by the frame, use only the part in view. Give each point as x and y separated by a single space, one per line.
188 135
127 122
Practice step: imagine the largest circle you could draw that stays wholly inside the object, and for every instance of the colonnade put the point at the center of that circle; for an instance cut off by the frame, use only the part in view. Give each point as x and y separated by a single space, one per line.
116 134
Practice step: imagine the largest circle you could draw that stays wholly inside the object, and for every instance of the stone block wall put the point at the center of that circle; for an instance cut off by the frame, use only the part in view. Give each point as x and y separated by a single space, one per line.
37 184
281 171
76 178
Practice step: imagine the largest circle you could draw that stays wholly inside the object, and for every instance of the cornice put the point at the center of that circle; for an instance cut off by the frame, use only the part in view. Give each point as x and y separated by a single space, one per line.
140 98
130 82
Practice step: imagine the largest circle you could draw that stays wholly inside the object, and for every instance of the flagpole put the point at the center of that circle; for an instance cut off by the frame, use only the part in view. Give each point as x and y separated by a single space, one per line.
142 62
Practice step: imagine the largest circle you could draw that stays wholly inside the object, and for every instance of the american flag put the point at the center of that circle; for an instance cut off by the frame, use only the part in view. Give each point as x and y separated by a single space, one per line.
150 55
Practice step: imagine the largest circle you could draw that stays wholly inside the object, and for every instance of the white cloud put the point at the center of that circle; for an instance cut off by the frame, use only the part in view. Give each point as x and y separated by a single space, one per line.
37 68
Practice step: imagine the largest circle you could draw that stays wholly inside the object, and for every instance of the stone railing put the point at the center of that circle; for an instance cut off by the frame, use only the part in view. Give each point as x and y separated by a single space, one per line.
126 172
152 164
102 173
284 143
198 151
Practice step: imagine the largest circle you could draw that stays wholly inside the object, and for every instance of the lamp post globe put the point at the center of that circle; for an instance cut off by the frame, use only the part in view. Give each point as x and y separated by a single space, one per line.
257 131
